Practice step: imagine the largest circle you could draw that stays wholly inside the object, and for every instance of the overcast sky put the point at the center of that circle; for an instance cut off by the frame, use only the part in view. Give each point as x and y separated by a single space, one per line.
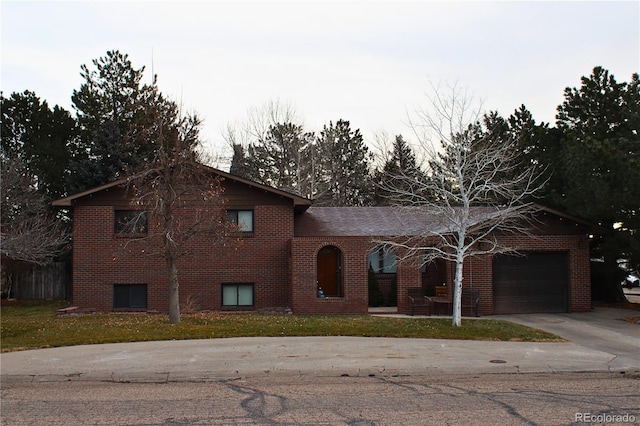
368 62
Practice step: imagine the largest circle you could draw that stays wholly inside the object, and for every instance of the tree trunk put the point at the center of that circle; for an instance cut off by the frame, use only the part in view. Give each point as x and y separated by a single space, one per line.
174 298
456 320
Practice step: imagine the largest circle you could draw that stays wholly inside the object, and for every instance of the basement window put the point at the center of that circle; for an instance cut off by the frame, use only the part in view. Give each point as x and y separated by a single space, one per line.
130 296
237 295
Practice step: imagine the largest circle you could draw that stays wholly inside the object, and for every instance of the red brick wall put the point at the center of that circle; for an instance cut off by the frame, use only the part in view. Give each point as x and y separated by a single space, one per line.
355 298
100 260
282 268
477 273
409 275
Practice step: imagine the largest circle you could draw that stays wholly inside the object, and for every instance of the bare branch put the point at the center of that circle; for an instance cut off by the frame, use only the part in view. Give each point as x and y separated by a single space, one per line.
181 197
475 187
259 120
29 232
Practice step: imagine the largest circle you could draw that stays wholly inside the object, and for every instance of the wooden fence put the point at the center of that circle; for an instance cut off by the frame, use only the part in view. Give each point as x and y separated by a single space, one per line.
47 282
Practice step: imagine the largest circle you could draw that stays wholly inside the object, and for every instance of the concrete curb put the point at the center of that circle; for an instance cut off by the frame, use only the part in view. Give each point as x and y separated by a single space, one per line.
598 341
203 360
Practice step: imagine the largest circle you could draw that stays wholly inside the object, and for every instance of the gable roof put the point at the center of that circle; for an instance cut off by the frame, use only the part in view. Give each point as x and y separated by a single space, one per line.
300 203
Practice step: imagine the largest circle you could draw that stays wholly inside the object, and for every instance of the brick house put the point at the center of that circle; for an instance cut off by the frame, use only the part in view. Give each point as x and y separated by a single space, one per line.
290 248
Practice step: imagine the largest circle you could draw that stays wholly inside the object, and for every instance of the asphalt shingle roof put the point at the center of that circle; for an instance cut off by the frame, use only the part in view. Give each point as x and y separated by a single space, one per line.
365 222
406 221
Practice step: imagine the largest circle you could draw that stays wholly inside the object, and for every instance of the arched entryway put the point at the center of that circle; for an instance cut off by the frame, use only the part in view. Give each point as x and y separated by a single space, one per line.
330 271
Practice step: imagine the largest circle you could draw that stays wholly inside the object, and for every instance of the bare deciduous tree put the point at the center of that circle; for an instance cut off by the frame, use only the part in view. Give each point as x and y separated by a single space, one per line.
181 198
28 231
475 187
255 127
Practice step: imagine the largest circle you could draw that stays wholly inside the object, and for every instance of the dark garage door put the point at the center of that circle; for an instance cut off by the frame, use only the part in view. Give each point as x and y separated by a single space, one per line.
537 282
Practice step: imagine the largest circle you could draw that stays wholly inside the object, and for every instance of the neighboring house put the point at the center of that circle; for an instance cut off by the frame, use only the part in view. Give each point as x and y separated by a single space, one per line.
289 249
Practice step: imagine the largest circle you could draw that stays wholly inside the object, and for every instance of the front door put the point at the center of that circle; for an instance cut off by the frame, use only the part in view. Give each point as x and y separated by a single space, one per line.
330 271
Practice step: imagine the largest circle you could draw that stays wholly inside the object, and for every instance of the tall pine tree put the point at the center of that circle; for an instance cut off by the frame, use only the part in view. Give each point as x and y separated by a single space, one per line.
44 139
279 159
598 166
116 113
344 164
401 161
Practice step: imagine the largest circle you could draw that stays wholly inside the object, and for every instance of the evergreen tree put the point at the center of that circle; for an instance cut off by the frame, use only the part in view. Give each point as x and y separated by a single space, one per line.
518 133
41 137
116 114
279 159
601 148
401 161
596 169
332 168
239 162
344 169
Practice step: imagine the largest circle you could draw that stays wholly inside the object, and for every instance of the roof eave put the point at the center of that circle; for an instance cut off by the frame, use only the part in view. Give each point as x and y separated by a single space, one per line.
300 204
594 228
68 201
298 201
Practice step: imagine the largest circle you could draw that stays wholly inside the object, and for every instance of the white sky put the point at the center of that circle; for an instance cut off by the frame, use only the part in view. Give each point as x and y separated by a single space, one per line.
368 62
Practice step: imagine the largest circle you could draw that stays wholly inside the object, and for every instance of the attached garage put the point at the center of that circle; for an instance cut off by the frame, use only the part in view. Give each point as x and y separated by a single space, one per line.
534 283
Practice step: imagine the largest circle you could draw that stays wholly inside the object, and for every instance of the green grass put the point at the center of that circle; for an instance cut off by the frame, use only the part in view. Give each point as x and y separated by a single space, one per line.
32 325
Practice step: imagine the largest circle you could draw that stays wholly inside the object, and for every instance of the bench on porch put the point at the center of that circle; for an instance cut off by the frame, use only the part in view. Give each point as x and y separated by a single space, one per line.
418 299
469 302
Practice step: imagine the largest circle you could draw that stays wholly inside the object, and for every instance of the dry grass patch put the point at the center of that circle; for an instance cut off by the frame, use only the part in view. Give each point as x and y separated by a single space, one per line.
31 325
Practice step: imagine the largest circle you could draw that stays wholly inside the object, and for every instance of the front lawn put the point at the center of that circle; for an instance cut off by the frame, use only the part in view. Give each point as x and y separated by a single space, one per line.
34 324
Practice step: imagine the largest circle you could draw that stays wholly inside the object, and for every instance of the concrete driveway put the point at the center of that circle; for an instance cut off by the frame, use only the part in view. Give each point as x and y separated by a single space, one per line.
603 329
598 341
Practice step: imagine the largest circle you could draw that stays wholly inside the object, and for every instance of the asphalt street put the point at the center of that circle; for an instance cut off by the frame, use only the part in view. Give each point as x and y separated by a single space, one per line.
593 377
597 341
484 399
